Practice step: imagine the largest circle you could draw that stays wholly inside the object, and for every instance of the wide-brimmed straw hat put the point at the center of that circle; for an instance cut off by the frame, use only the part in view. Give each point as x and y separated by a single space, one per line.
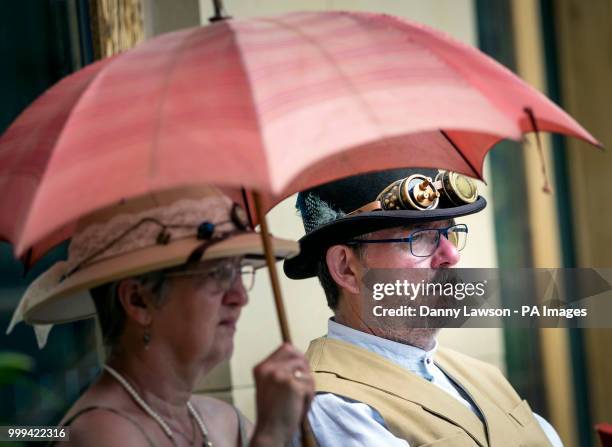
338 211
150 233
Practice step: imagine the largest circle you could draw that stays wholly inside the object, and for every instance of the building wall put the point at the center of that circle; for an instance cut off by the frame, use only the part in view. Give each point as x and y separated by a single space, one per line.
585 69
546 247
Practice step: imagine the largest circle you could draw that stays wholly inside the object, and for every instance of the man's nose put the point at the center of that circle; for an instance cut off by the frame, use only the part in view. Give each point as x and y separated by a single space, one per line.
446 255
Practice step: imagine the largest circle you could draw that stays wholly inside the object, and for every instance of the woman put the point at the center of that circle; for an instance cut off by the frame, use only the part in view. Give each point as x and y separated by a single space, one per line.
167 275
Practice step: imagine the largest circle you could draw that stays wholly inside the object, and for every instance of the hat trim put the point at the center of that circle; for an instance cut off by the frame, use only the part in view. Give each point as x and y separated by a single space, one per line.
61 298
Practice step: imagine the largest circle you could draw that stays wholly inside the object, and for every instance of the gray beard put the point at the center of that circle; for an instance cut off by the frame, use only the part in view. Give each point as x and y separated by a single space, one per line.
423 338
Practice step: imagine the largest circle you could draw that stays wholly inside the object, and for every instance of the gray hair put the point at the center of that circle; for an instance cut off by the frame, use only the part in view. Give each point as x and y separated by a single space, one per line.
111 314
316 212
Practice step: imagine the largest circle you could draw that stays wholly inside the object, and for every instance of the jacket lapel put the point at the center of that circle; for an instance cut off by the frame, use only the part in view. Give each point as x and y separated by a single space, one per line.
347 361
496 420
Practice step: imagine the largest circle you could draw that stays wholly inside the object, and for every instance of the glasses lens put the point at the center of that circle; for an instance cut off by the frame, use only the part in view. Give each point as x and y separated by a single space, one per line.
248 277
424 242
221 277
458 236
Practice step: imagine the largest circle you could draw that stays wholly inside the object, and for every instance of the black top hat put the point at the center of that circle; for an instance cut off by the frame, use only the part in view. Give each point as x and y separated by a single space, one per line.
325 212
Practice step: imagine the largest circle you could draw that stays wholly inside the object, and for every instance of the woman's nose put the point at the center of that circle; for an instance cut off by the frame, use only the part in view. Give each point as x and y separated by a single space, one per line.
446 255
236 295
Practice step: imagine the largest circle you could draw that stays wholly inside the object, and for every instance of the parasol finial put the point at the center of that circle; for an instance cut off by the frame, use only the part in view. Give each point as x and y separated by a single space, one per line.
219 12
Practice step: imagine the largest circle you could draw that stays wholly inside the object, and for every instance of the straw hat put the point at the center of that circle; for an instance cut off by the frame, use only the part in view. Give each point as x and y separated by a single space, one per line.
158 231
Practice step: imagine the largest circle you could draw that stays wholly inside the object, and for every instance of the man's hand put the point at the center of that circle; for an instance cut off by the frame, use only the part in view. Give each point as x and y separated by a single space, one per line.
285 388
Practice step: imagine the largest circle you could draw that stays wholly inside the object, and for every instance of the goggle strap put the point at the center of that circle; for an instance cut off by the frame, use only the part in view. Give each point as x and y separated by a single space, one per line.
372 206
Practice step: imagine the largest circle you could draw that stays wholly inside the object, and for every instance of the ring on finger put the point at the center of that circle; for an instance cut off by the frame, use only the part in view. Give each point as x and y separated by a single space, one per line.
298 374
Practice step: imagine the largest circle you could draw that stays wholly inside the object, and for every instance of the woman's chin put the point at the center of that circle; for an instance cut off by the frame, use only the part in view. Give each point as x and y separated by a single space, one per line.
221 348
228 351
222 351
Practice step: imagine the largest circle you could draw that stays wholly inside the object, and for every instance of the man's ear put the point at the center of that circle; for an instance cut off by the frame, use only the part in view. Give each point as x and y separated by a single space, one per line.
344 267
135 300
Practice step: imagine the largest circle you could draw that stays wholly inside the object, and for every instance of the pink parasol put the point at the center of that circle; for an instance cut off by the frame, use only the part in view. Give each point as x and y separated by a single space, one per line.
272 104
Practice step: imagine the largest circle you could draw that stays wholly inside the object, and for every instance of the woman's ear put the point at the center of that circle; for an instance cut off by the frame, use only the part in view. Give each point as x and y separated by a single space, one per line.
136 301
344 268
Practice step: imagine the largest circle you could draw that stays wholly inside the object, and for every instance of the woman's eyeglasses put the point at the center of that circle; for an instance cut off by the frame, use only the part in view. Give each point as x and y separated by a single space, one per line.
220 278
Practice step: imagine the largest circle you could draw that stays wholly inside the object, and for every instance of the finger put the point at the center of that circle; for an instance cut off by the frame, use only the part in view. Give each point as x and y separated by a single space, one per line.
284 352
289 365
282 374
300 384
298 365
307 386
301 371
304 385
298 374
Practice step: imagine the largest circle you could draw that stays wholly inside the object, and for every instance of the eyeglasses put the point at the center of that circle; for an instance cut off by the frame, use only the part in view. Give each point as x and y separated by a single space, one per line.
425 242
221 277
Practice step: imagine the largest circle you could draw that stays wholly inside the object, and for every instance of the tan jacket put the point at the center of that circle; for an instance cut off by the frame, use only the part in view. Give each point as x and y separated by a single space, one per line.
420 412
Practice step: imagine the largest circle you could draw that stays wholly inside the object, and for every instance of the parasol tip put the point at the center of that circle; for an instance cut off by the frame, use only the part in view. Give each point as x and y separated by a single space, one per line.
219 12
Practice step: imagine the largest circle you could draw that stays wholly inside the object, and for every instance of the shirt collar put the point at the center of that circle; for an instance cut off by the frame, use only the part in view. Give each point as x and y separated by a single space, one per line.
410 357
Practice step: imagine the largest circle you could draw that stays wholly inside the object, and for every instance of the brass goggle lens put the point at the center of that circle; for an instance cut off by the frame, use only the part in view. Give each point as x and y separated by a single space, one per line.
456 189
414 192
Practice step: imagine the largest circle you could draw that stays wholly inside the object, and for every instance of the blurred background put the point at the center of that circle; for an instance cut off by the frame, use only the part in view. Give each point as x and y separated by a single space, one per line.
562 47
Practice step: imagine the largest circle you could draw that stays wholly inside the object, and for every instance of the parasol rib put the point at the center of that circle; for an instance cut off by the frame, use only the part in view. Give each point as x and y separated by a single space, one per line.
468 162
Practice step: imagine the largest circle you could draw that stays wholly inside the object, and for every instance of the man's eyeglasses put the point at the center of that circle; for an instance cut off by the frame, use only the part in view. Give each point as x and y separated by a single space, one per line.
425 242
220 277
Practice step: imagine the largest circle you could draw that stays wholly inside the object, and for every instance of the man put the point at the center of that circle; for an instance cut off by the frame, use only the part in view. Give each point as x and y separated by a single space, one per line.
390 385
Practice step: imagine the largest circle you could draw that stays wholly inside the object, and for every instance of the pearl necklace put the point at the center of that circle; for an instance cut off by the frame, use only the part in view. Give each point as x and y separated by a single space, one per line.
147 409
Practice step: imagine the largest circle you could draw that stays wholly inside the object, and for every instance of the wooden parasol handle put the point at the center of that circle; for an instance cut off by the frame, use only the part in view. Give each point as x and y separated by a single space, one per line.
271 262
305 430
